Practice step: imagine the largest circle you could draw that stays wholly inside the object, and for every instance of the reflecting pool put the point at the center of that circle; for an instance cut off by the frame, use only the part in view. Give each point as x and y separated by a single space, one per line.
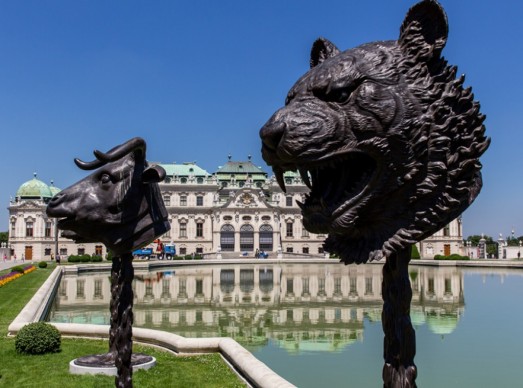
320 324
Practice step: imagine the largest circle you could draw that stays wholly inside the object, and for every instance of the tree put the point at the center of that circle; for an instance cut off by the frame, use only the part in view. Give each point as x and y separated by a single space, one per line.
4 237
491 246
474 239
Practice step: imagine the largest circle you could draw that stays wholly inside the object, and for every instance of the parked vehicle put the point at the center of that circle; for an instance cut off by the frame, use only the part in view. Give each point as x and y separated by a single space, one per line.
144 253
169 251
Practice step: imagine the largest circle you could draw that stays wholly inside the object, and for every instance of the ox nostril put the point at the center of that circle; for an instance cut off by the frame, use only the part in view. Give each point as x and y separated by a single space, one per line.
56 199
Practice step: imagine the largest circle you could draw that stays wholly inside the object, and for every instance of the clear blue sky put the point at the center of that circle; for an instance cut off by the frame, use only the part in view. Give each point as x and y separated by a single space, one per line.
197 80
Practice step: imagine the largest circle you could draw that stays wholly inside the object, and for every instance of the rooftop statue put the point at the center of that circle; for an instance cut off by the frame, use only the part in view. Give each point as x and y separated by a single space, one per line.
120 205
388 141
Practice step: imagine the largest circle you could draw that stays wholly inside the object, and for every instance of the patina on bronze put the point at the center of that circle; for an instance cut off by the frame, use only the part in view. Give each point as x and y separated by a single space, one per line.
388 141
120 205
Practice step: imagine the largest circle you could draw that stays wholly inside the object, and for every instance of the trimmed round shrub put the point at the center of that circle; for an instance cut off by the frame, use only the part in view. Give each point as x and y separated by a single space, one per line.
38 338
42 264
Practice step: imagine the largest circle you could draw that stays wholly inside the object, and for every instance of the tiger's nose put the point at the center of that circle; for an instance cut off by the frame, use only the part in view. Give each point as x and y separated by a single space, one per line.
272 132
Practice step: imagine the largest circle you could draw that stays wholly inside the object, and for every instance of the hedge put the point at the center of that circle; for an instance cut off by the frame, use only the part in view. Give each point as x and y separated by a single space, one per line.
454 256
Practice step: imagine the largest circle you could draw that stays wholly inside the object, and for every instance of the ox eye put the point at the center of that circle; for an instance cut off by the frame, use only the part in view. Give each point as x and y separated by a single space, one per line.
105 178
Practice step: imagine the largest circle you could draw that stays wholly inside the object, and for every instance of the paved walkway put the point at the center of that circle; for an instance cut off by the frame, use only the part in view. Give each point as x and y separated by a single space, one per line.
11 263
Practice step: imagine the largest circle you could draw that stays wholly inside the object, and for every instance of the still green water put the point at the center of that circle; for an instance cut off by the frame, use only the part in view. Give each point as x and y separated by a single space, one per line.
319 324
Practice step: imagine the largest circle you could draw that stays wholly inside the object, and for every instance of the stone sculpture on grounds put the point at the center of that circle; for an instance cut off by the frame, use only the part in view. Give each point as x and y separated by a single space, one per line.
120 205
388 141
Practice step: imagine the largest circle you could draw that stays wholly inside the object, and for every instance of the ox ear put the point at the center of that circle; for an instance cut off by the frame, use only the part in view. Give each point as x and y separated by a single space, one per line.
321 50
425 30
153 174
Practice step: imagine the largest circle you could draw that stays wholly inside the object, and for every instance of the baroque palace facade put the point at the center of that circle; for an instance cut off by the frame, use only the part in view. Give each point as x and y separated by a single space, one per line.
232 212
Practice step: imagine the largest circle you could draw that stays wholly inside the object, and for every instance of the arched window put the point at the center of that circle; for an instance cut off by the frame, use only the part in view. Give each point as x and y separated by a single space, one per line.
247 238
227 238
29 228
266 242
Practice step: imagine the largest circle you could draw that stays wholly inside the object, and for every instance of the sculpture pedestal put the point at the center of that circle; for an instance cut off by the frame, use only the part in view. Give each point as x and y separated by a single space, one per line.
399 345
105 364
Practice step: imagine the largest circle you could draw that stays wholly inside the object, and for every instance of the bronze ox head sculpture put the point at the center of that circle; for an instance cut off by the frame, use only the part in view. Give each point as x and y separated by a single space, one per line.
386 138
119 204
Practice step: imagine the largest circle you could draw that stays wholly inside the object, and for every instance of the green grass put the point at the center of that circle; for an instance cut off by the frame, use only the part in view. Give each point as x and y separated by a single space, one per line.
52 370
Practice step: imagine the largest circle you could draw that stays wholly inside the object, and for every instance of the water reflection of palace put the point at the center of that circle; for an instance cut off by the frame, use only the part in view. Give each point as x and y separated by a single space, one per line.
302 307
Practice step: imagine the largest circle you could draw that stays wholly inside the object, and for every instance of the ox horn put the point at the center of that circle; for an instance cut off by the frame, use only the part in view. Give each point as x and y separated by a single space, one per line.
113 154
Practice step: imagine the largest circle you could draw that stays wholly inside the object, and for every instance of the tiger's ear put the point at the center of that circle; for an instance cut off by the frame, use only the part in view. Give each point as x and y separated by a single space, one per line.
321 50
425 30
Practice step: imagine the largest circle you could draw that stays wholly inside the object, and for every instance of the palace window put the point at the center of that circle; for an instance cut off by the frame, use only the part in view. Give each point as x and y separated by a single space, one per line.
199 229
368 286
63 251
183 200
13 228
98 287
199 287
247 238
290 250
47 252
353 285
167 200
227 238
289 229
29 229
183 250
266 241
183 229
199 180
305 249
305 286
81 251
288 201
199 200
48 226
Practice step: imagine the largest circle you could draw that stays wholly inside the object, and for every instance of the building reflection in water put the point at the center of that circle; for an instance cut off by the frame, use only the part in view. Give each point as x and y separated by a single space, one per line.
305 307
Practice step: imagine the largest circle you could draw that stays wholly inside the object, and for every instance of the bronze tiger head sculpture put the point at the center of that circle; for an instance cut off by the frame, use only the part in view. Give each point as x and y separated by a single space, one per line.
386 138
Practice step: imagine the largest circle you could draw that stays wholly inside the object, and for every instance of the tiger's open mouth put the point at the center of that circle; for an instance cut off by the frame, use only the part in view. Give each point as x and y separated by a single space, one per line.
336 185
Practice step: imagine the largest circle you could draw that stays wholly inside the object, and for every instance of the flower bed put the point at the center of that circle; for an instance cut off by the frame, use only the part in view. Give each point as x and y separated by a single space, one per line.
4 279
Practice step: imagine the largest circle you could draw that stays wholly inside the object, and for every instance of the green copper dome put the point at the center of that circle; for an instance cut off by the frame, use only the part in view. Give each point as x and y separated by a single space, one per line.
34 189
54 190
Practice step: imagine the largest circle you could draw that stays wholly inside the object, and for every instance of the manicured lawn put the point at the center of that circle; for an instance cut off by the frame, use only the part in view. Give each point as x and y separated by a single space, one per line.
52 370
